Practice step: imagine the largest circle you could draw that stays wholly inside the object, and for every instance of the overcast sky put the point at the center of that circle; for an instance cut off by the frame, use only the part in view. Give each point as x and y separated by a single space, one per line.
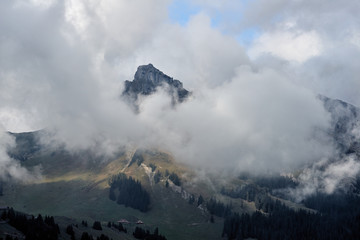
255 68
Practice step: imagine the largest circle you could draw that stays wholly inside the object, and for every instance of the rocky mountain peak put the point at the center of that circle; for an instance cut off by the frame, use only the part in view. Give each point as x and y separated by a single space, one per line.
148 78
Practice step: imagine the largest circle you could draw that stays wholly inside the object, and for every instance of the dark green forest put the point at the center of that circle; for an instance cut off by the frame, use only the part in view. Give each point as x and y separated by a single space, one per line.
125 190
337 217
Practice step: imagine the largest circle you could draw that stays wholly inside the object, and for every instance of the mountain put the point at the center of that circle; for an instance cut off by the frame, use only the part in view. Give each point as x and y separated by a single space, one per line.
148 79
82 186
345 122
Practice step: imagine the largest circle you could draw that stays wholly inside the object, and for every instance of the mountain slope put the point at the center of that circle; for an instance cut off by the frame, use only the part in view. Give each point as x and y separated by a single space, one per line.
78 188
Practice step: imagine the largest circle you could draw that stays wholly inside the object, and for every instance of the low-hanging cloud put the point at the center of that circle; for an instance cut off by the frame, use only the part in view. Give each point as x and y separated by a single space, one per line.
325 177
258 121
11 169
67 76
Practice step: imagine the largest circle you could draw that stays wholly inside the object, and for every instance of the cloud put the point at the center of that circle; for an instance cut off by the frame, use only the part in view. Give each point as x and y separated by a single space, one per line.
197 54
334 74
257 122
325 177
317 35
10 169
320 14
291 46
320 35
62 67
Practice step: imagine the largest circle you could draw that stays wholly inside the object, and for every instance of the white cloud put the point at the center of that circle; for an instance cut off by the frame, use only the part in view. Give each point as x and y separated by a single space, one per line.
76 15
289 45
257 121
325 177
63 68
197 54
325 33
15 120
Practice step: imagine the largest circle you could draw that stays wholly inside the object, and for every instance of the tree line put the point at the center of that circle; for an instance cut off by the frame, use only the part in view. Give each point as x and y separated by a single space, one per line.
140 233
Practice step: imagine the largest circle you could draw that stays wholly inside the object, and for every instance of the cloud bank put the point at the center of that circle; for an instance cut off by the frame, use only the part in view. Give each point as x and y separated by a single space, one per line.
258 121
63 63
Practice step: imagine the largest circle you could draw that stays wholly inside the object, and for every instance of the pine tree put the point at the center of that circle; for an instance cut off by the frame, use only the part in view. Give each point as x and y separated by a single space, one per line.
97 225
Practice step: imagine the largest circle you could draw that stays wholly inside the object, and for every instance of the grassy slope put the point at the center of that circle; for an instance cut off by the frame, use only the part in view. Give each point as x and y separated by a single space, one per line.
78 189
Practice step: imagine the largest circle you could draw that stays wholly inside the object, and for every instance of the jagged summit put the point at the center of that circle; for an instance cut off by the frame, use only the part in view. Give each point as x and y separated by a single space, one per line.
148 78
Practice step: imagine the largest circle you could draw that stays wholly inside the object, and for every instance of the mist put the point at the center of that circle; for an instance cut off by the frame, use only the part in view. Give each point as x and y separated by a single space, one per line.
256 122
325 177
254 108
11 169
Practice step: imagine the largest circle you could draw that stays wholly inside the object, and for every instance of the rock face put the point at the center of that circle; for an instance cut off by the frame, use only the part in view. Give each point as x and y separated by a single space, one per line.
146 81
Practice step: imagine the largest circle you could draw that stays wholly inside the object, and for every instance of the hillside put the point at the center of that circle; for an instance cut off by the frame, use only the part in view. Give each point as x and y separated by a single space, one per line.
78 188
75 188
150 186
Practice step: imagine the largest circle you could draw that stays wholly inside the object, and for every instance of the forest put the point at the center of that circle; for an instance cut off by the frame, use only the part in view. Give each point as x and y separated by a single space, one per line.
337 217
140 233
125 190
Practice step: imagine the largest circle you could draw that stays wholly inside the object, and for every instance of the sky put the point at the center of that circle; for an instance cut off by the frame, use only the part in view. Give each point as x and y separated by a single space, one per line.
255 68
